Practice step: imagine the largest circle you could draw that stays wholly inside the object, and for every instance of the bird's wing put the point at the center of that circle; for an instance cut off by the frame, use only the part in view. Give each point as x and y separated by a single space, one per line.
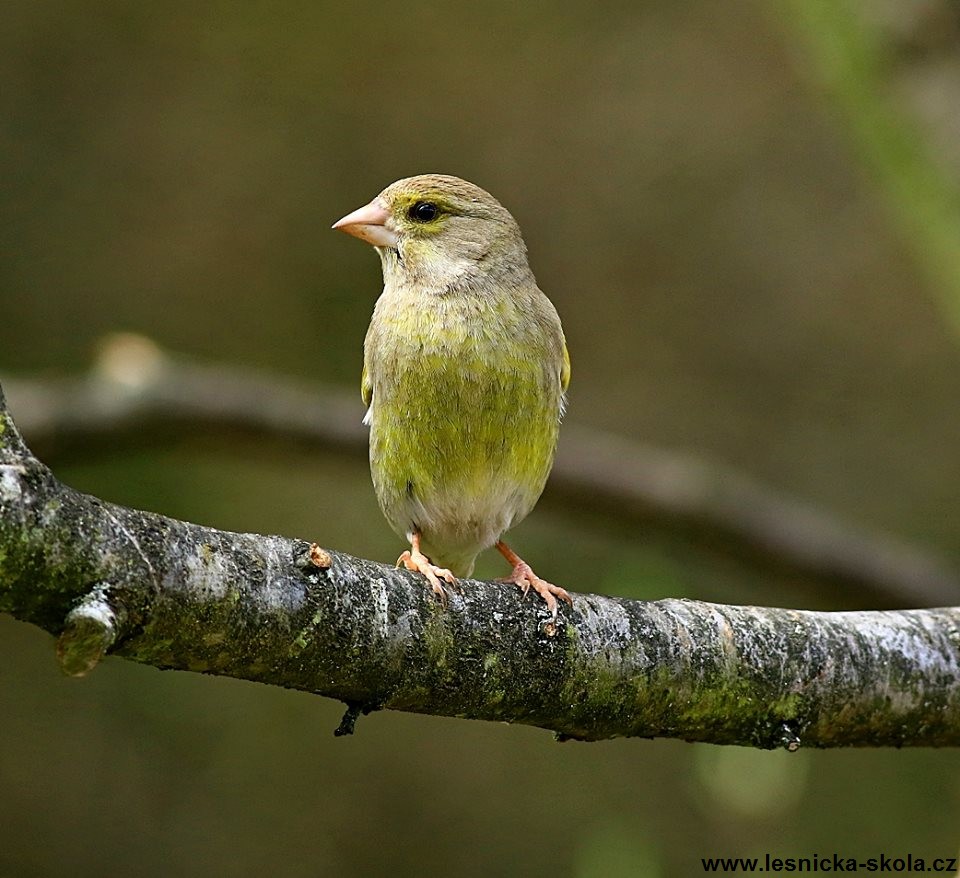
366 393
366 386
564 380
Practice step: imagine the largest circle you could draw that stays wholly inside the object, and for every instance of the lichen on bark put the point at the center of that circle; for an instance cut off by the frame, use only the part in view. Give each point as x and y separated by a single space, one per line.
179 595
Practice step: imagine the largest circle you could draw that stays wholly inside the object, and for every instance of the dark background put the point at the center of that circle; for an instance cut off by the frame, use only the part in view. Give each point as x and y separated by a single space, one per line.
707 204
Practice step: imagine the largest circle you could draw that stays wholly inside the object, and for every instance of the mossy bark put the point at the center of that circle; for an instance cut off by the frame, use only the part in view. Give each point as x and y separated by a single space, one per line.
178 595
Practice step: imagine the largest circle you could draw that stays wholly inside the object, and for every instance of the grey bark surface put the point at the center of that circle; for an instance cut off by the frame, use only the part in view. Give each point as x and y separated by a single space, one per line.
172 594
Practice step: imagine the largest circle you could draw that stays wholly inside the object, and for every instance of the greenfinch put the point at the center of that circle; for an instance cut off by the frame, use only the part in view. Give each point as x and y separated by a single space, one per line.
465 372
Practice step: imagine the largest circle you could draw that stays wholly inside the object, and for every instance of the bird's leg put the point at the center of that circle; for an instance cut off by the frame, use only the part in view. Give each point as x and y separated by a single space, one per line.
524 577
413 559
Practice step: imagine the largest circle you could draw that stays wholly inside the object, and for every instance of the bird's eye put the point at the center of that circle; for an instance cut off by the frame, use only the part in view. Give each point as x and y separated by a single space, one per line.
423 212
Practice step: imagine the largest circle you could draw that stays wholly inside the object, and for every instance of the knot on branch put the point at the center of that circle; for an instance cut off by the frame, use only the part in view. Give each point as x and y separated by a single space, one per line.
351 715
92 628
788 737
313 558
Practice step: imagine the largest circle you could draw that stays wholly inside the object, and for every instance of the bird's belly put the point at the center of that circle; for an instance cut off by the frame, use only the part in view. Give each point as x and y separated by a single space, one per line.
461 452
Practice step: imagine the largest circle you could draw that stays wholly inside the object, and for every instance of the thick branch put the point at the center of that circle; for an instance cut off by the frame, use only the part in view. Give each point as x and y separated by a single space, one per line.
276 610
134 383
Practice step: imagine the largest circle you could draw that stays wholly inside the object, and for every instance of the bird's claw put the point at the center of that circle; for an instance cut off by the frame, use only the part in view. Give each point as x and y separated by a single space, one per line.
419 563
524 577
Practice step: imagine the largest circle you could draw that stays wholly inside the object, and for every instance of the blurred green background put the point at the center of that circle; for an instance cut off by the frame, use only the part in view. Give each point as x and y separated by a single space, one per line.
720 200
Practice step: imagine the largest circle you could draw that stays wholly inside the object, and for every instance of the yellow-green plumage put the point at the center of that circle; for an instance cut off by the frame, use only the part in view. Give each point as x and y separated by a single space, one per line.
465 368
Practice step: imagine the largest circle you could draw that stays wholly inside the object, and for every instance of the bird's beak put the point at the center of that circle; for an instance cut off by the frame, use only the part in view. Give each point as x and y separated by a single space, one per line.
370 223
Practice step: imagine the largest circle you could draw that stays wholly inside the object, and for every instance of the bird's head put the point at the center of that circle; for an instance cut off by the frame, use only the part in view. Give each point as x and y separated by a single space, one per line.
440 233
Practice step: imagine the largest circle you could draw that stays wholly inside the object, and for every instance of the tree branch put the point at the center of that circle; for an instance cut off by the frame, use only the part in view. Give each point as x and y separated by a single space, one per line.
285 612
134 384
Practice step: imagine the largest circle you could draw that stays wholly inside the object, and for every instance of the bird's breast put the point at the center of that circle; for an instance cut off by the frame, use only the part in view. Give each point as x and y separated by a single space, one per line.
465 413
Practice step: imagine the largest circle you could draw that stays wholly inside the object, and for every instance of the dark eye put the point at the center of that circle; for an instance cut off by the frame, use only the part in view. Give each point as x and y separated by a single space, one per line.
423 212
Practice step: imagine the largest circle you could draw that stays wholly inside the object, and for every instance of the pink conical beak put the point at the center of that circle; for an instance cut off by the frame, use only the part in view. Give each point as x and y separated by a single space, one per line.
369 223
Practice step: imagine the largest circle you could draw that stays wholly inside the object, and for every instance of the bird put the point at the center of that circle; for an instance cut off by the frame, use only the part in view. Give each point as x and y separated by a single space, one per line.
465 374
